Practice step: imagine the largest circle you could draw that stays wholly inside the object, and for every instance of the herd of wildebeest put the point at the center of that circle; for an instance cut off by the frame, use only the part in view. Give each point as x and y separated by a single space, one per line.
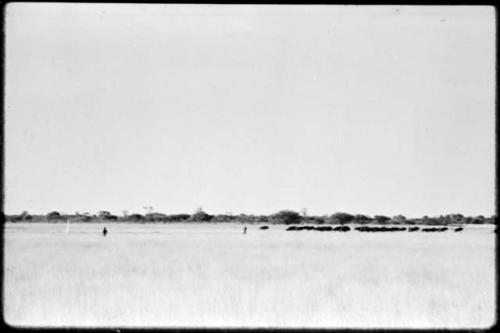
344 228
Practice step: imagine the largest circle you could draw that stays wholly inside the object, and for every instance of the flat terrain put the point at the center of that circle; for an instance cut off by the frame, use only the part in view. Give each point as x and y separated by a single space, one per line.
204 275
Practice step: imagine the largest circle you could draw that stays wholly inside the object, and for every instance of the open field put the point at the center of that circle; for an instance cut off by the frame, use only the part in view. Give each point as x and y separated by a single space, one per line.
211 275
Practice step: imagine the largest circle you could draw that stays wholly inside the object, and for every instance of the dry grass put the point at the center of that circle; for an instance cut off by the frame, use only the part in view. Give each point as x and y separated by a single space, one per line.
213 276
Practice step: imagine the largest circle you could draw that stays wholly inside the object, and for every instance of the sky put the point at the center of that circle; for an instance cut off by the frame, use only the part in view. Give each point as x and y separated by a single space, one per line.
249 109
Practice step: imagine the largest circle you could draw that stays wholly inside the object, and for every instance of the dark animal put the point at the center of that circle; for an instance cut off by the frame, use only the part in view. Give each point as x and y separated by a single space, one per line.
104 231
411 229
459 229
291 228
378 229
244 230
434 229
342 228
264 227
324 228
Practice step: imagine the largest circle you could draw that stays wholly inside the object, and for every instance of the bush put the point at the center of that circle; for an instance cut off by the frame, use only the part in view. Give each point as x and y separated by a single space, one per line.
286 217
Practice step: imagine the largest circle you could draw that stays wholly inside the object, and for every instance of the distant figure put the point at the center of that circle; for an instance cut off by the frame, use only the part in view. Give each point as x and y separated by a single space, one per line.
104 232
244 230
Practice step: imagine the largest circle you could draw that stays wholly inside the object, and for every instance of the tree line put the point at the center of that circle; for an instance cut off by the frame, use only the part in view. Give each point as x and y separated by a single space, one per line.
281 217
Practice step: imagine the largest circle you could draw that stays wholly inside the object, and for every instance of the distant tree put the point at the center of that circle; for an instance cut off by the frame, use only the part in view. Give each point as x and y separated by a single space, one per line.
262 218
398 219
381 219
25 216
156 217
467 219
340 218
177 217
478 219
82 218
434 221
317 219
54 215
200 216
135 217
358 218
224 218
411 221
103 214
286 217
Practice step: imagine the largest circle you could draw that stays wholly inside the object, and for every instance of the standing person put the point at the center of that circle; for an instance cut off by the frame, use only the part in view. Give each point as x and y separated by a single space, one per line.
104 231
244 230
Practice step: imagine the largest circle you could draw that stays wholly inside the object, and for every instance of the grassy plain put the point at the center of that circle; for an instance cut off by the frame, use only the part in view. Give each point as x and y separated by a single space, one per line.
204 275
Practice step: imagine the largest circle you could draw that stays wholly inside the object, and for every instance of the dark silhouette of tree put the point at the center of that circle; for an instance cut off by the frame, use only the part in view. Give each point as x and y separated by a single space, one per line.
340 218
156 217
135 217
177 217
381 218
200 216
103 214
359 218
54 215
286 217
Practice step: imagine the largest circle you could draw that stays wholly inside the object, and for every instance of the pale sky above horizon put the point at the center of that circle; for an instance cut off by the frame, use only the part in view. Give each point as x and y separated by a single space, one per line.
249 109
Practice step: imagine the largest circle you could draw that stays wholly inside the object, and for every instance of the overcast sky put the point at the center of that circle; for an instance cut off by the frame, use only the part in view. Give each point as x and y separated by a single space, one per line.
250 109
